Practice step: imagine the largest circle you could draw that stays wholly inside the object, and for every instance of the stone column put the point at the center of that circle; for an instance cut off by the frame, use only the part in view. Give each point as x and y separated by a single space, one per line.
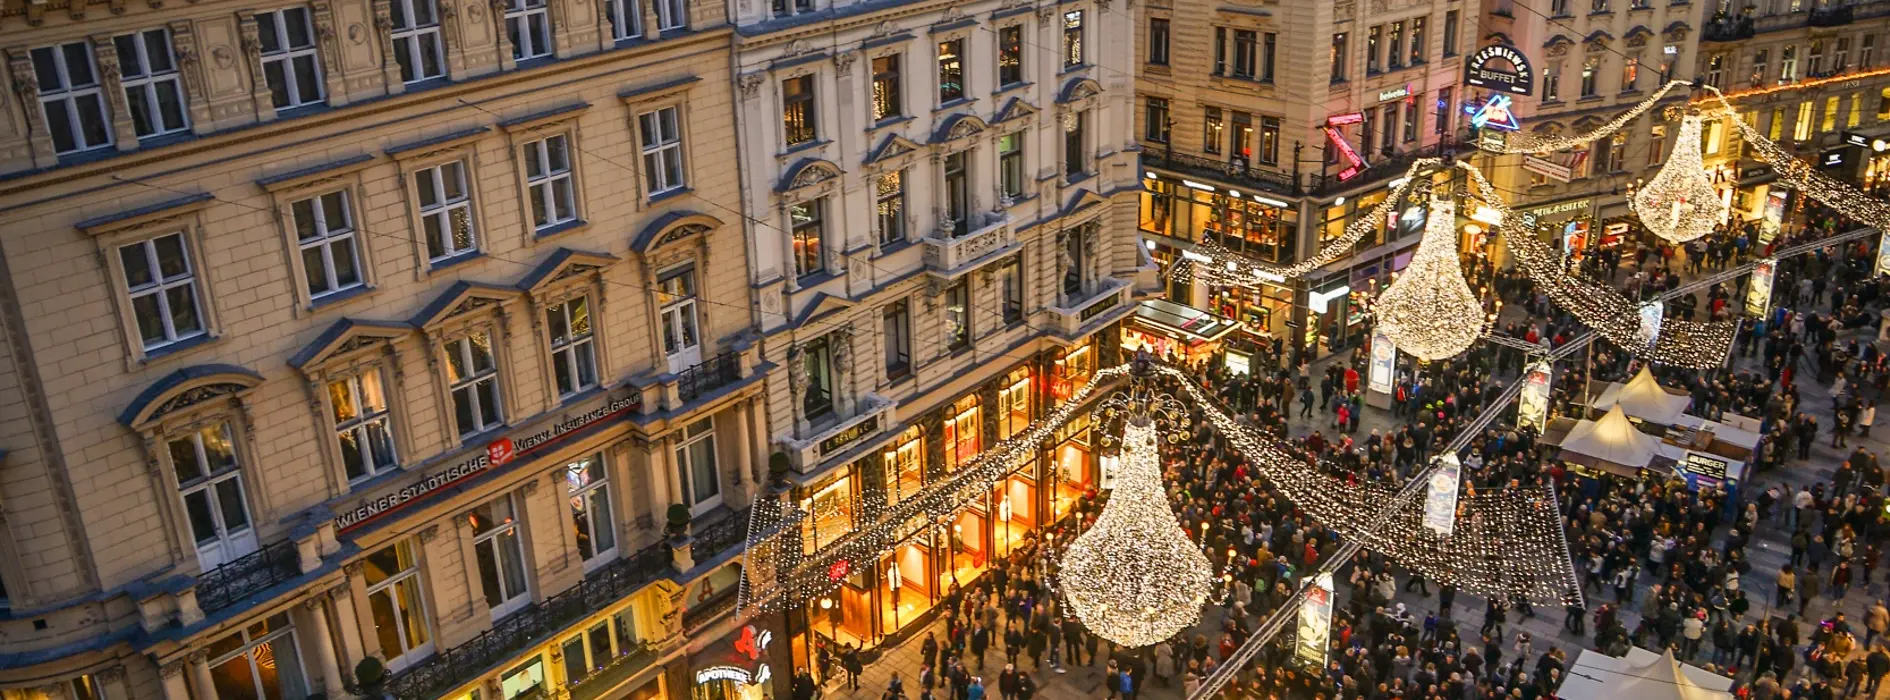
111 82
112 682
175 687
758 439
315 620
744 454
347 621
200 675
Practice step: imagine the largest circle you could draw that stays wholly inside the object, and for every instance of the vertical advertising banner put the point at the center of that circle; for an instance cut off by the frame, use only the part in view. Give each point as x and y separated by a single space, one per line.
1773 215
1532 405
1883 254
1759 290
1440 504
1384 361
1315 624
1651 314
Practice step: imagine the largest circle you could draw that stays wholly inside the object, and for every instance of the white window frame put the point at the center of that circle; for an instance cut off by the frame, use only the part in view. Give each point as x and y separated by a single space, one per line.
591 502
446 211
574 349
625 18
363 421
671 15
287 56
414 35
160 288
494 538
228 544
65 97
149 83
521 17
676 295
701 432
327 240
391 587
277 641
659 137
469 383
543 187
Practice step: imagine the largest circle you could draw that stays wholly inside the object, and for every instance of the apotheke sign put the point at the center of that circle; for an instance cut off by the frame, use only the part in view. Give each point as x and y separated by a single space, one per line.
495 453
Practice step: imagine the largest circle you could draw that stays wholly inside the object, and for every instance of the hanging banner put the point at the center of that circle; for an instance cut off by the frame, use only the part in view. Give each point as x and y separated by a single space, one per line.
1440 504
1651 315
1384 361
1532 405
1774 214
1315 624
1883 254
1759 290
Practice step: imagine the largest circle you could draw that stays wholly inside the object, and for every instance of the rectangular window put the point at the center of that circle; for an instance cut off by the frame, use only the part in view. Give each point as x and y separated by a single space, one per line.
671 15
153 92
1841 58
1388 139
887 102
1270 140
446 210
1631 75
1211 131
957 316
1220 51
789 8
625 18
1440 122
1814 63
1759 61
1011 289
1558 8
1552 84
1246 54
162 285
587 484
1801 128
809 234
1158 41
399 608
951 71
1011 165
1394 49
1013 404
797 110
896 329
1373 39
889 193
324 231
1339 57
963 428
905 466
1857 111
1417 41
362 427
957 192
1828 120
1072 38
1597 6
1243 137
210 482
1155 120
1589 68
573 355
291 67
1656 144
1776 127
1450 33
1010 56
1713 68
661 135
1268 51
1075 159
1865 51
1072 244
1411 117
548 181
472 374
416 36
1617 152
1788 64
69 94
498 546
817 362
258 661
528 24
676 297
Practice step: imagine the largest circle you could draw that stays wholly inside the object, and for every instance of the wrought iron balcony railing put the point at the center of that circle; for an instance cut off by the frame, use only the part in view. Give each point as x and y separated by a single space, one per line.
239 578
707 376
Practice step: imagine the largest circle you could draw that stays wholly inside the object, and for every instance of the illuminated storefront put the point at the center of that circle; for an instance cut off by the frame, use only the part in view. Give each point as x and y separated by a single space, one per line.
1255 225
1166 329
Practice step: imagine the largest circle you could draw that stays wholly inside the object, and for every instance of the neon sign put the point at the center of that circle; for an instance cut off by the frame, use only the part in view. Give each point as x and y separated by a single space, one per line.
1345 119
751 645
1354 164
1495 114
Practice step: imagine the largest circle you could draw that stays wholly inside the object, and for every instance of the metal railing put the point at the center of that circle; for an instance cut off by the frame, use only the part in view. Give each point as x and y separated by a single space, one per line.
237 579
708 375
1230 173
722 534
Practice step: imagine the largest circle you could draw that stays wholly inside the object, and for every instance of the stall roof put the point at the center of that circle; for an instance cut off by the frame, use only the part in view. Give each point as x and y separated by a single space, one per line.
1643 397
1641 675
1190 323
1612 438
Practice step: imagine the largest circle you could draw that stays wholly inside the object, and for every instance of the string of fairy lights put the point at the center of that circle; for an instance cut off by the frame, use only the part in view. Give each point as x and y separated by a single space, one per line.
1852 202
1540 143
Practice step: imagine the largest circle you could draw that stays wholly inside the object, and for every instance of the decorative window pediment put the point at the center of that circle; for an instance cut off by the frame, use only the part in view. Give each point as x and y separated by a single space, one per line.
824 305
806 172
891 147
1676 31
1598 38
564 264
186 388
1015 108
958 126
1082 200
672 228
1498 38
460 299
1557 40
1588 123
1638 35
1078 89
345 337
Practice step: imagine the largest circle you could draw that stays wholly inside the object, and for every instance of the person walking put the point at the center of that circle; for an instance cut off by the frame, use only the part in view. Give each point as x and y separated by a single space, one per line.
850 662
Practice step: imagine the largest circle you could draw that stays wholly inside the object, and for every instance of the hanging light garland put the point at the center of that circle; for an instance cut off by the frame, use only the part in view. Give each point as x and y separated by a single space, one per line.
1532 143
1848 200
1680 203
1430 311
1134 577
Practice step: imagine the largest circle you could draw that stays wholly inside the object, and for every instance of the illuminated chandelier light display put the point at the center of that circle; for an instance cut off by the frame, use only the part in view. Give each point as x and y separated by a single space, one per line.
1430 310
1680 203
1134 577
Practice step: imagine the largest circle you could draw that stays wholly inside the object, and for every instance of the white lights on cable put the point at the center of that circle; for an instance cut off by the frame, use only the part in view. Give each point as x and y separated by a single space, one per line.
1680 203
1430 310
1134 577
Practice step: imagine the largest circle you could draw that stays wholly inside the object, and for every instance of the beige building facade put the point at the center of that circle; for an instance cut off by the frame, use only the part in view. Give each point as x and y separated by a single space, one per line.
411 330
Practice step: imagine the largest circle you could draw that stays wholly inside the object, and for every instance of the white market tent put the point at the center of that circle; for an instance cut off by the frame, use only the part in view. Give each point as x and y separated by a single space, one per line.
1641 675
1613 439
1643 397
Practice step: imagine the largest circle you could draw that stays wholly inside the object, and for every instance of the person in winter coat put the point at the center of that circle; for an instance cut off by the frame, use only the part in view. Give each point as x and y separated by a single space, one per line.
1876 664
1008 682
1164 663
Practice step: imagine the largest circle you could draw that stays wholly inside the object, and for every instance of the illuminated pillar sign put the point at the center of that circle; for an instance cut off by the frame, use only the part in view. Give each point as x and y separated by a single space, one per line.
1532 406
1315 624
1759 290
1384 361
1440 500
1651 315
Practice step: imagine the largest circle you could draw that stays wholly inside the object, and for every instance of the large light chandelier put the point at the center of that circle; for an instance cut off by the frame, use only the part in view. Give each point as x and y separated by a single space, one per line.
1429 311
1680 203
1134 577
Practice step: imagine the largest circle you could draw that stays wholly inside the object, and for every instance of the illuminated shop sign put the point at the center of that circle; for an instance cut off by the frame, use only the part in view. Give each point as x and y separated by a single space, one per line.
1495 114
1486 70
1354 164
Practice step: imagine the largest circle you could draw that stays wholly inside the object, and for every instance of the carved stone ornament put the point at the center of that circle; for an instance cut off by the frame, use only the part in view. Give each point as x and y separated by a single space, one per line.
430 532
813 174
1558 49
571 271
798 47
111 674
843 63
471 304
964 127
750 84
196 396
357 32
223 57
1071 120
171 669
1595 47
884 28
1637 40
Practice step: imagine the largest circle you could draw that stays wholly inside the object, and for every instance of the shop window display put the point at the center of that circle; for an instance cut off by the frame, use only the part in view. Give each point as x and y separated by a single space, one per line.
905 465
829 513
963 438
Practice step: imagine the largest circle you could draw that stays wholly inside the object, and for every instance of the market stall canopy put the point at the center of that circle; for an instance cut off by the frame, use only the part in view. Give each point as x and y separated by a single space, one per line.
1612 438
1183 322
1643 397
1641 675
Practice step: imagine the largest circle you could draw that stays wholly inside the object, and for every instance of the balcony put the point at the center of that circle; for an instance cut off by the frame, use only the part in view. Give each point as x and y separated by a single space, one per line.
707 376
240 578
1386 167
1226 172
992 239
874 416
1082 315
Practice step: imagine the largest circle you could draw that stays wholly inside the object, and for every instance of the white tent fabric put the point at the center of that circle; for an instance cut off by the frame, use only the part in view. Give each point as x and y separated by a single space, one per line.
1641 675
1614 439
1643 398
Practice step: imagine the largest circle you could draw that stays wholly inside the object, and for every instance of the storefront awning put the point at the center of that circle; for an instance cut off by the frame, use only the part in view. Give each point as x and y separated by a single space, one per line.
1184 322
